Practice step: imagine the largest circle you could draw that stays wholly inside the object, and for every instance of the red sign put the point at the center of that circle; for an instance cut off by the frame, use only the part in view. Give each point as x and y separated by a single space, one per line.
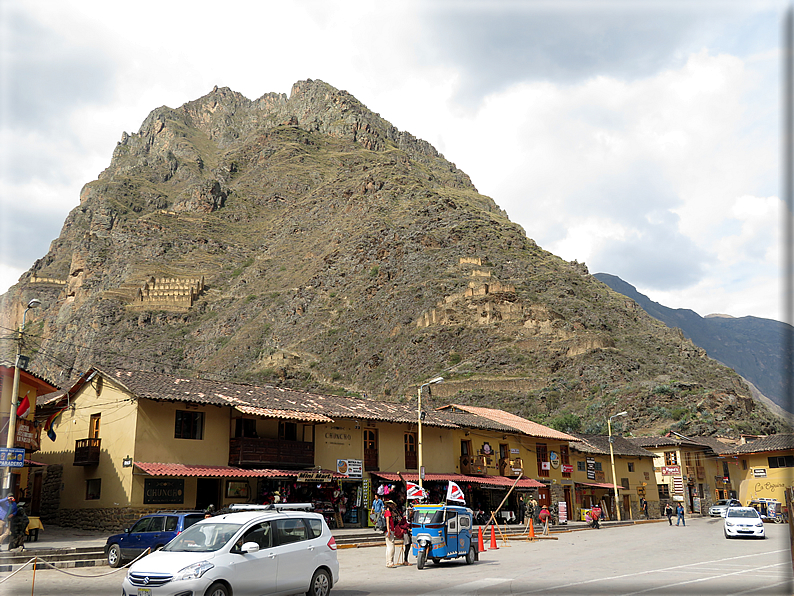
671 470
567 468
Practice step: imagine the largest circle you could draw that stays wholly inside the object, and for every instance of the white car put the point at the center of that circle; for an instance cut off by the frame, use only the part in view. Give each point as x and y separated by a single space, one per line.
245 554
719 508
743 521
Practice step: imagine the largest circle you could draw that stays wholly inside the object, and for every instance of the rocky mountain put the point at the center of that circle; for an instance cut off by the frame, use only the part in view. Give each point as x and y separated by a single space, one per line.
305 241
752 346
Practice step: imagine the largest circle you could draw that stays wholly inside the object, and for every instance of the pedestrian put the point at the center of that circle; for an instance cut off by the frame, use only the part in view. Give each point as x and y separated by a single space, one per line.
596 513
680 513
522 507
8 509
409 516
668 511
376 510
18 524
645 508
588 517
544 516
389 512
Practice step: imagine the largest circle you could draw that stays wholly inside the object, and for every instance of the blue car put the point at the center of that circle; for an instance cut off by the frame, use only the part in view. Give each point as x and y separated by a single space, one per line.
151 531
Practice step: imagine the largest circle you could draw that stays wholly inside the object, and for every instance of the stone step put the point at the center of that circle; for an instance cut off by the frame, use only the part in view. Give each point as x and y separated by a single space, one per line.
86 559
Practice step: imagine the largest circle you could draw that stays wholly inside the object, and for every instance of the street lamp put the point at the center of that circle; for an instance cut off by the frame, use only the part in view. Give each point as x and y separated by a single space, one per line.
12 420
419 417
612 460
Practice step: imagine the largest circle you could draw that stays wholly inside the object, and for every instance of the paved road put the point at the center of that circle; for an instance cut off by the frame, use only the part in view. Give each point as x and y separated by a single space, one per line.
652 559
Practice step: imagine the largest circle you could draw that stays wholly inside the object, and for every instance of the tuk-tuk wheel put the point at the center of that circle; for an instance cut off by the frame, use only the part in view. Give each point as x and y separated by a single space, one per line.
421 557
471 556
779 519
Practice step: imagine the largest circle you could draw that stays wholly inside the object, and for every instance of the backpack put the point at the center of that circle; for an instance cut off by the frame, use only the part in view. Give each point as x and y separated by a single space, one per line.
381 523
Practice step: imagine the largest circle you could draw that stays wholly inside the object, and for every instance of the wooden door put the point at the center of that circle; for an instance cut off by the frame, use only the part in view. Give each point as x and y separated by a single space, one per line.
370 449
35 493
544 496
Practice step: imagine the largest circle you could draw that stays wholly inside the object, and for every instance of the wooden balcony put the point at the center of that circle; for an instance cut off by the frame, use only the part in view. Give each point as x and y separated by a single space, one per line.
507 467
473 464
86 452
277 453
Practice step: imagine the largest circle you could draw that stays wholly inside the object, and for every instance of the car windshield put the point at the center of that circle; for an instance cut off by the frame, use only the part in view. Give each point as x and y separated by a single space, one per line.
203 537
742 512
721 502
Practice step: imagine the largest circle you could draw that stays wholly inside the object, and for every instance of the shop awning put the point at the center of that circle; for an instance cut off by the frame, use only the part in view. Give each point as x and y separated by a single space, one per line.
597 484
198 471
501 481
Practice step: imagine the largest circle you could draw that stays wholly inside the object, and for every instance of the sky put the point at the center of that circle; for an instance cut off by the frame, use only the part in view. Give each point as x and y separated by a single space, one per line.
641 138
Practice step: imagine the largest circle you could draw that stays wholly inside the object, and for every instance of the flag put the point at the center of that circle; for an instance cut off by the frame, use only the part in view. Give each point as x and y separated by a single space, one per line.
50 422
24 407
414 491
454 493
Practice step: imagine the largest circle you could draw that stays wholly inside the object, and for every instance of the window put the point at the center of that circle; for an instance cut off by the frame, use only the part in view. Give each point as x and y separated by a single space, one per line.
410 451
189 425
664 491
670 458
93 489
543 457
581 466
688 458
786 461
171 523
624 482
370 449
259 533
631 466
288 431
290 530
744 464
598 466
245 427
93 426
697 459
565 460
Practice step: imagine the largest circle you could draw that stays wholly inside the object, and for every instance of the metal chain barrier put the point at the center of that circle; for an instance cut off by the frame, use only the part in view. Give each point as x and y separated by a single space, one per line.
50 566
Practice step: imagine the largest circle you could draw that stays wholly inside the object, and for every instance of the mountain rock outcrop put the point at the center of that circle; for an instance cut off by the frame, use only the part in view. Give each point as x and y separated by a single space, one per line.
307 242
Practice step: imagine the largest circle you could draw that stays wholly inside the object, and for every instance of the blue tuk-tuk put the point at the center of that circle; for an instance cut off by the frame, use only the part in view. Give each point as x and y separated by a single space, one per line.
442 532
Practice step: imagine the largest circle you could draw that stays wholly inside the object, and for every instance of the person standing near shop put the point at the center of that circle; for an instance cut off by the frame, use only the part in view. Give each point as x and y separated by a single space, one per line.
668 511
409 516
680 514
544 516
522 508
377 510
645 508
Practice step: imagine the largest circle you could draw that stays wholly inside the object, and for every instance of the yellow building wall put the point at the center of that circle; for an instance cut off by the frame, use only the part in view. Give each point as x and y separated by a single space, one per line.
155 442
338 440
117 429
772 486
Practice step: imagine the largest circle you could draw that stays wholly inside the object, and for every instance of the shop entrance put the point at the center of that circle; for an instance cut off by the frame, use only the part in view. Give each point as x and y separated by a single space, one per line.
208 492
544 496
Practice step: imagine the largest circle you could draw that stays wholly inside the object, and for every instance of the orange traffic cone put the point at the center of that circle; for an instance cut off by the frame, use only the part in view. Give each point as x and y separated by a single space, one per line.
531 530
480 544
493 540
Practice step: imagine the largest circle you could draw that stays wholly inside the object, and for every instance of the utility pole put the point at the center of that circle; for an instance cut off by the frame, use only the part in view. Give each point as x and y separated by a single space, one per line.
12 419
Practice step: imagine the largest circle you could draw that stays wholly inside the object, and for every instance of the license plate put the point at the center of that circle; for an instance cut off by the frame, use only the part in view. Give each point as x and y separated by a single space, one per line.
144 592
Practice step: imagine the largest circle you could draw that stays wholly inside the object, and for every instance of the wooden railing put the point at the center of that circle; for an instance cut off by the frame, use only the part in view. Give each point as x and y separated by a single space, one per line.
86 452
244 451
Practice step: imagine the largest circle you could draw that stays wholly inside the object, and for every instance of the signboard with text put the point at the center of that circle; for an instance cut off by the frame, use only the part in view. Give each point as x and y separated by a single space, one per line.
671 470
163 490
11 457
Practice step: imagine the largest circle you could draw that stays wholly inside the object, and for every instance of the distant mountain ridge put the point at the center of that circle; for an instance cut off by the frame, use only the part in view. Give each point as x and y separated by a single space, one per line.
752 346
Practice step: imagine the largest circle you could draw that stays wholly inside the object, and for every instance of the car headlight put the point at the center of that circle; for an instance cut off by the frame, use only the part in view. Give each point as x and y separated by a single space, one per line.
728 523
194 571
760 524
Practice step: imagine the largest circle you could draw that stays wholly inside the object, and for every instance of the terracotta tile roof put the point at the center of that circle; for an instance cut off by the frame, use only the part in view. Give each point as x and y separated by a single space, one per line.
599 444
765 444
515 422
486 480
163 469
